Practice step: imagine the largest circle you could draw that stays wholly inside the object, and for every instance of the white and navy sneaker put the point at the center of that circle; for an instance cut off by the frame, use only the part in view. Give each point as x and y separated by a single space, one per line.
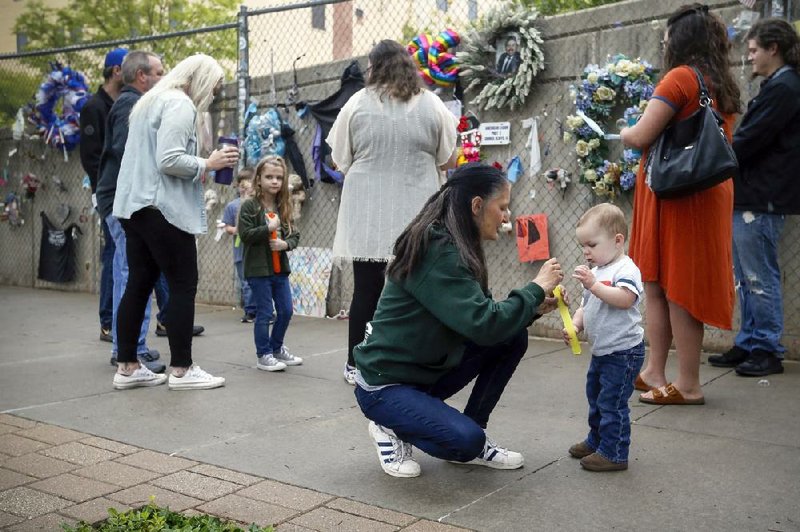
349 374
497 457
393 453
286 357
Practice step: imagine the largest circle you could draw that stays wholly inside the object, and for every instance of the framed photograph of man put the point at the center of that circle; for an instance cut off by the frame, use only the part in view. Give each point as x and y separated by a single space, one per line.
507 58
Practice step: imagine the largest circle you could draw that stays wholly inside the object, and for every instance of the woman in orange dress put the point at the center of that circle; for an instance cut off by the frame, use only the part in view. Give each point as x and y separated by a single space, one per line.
683 246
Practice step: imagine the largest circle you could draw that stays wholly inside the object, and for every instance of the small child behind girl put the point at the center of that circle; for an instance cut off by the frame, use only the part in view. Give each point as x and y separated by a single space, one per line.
609 312
266 230
244 182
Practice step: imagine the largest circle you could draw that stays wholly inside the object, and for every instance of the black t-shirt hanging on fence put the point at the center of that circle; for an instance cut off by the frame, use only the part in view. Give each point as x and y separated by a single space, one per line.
57 253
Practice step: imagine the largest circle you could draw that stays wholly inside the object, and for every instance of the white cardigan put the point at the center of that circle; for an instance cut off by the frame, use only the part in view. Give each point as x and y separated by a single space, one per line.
390 152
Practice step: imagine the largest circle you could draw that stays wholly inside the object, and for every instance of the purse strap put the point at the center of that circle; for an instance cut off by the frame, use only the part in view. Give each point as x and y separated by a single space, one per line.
705 97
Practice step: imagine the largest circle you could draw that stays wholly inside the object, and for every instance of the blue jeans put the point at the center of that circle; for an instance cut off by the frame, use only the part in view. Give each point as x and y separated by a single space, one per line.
758 280
246 292
106 309
161 290
120 281
609 385
266 290
418 415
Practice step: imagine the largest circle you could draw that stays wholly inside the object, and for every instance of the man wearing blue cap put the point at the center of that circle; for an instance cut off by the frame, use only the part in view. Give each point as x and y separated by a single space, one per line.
93 123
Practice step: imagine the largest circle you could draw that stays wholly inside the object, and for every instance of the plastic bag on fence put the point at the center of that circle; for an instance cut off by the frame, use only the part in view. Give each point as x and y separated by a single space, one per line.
263 136
532 241
57 252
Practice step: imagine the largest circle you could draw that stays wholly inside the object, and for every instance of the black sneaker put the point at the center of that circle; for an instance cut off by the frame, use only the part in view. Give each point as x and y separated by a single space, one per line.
248 318
759 364
150 356
161 330
105 334
730 358
146 360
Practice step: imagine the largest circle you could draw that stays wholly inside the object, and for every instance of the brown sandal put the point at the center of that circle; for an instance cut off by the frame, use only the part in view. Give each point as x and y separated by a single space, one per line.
642 386
672 397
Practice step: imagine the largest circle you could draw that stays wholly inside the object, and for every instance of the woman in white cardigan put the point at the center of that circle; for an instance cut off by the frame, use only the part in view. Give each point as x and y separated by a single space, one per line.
391 139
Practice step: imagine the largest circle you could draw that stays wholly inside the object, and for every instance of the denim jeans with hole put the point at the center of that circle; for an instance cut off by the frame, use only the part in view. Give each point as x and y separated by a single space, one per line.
418 415
266 290
609 385
758 280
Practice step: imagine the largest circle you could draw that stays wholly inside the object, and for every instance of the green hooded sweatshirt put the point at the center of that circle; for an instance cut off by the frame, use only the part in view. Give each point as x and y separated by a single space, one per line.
421 323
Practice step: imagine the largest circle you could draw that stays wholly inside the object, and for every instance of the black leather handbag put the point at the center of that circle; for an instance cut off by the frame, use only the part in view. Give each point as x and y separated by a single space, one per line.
691 155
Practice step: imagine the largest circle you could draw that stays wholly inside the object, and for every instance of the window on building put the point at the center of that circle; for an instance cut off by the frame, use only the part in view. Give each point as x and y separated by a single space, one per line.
318 17
441 5
22 42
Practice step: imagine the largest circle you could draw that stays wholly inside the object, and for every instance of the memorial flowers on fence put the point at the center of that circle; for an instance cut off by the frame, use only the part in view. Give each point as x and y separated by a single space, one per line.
619 82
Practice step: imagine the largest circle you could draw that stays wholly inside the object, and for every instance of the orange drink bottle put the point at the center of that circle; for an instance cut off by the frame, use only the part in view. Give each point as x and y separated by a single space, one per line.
276 255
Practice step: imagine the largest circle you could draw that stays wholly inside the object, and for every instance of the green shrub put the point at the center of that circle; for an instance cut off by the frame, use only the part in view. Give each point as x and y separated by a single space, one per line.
152 518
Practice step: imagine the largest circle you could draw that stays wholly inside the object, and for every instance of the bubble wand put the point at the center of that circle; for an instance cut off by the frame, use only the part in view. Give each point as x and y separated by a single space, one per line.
563 309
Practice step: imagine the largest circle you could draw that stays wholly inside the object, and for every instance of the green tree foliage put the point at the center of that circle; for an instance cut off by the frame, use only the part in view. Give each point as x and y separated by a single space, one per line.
16 89
551 7
102 20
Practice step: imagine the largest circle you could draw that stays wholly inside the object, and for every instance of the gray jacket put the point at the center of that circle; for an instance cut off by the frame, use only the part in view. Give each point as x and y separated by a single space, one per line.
160 167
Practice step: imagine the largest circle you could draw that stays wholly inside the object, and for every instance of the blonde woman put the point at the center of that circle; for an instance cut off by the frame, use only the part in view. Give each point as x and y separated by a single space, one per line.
159 202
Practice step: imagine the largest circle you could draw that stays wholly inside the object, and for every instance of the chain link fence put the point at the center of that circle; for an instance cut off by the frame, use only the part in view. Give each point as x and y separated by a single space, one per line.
291 56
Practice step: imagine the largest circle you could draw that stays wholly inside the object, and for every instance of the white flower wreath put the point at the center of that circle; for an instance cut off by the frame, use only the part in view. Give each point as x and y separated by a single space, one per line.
600 91
478 63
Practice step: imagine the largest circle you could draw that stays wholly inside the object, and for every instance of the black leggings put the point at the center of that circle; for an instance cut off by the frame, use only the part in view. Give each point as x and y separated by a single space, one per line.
368 279
154 246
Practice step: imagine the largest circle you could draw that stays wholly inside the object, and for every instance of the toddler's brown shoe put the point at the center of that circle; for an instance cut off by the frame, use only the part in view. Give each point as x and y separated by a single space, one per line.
596 462
579 450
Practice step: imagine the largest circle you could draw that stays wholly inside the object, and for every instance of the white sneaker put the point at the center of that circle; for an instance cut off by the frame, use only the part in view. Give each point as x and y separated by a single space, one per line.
195 379
349 374
497 457
287 358
270 363
140 377
393 453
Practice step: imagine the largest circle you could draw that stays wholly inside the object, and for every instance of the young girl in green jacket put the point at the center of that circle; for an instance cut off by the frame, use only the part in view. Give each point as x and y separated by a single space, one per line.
266 230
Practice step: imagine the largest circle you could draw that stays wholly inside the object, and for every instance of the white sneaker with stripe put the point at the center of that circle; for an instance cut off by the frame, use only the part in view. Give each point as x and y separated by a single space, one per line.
497 457
393 453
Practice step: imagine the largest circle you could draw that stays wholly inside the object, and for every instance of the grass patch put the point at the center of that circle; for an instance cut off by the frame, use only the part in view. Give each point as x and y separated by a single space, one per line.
152 518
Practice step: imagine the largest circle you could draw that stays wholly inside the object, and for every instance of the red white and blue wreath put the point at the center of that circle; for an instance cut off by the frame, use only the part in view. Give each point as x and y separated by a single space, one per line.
621 81
61 130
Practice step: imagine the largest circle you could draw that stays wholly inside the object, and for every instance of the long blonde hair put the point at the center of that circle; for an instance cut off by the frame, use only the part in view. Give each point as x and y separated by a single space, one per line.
196 76
283 198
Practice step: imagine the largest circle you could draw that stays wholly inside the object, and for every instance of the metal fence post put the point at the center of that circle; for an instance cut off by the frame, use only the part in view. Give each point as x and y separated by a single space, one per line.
243 71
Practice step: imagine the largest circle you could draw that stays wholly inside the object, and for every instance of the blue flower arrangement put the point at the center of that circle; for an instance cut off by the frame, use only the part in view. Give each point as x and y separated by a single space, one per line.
68 86
621 81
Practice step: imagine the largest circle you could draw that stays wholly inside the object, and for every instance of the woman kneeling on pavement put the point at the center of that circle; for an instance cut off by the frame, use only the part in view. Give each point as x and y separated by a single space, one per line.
437 328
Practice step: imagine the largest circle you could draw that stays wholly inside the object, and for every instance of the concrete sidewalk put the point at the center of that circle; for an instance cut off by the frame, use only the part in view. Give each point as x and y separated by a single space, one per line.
292 448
